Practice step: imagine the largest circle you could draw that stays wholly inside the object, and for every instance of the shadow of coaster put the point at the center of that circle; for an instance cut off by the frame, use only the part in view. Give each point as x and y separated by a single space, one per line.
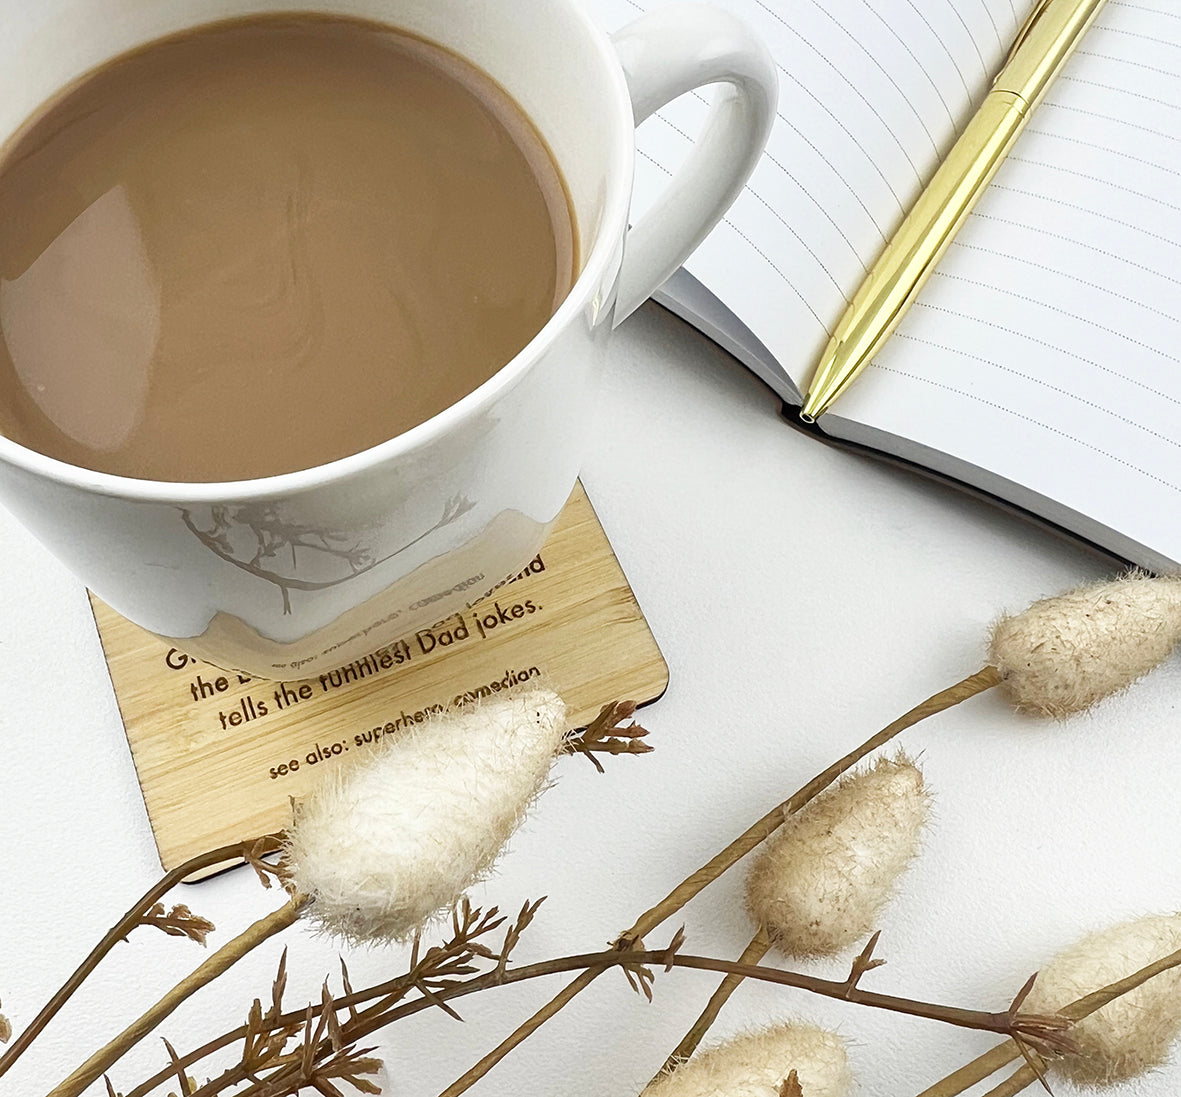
220 755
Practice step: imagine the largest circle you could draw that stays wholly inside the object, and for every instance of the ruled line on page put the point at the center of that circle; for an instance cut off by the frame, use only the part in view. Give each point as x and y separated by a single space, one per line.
1064 435
889 28
1090 211
1095 146
1074 318
754 247
1044 344
859 46
1059 390
1044 268
777 215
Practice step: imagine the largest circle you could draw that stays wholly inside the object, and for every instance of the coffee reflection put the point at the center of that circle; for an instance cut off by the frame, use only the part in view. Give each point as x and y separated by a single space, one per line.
113 326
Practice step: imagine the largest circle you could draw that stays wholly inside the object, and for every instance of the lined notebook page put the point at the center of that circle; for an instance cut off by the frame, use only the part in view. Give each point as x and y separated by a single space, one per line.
1046 349
872 95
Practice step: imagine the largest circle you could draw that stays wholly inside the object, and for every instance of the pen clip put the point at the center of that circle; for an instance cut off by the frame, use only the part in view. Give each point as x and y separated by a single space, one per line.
1031 20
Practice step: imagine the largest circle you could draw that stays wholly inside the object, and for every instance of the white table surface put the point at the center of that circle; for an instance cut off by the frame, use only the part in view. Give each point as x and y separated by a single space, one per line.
803 598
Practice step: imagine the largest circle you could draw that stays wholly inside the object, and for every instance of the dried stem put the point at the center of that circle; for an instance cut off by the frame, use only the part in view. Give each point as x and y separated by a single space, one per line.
734 852
978 1069
758 948
1026 1025
1033 1028
1097 999
268 843
265 1035
357 1024
769 823
215 965
1015 1083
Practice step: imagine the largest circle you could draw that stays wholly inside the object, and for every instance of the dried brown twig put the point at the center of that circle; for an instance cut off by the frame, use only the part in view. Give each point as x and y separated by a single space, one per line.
433 973
215 965
178 922
447 973
605 734
1042 1035
324 1034
135 916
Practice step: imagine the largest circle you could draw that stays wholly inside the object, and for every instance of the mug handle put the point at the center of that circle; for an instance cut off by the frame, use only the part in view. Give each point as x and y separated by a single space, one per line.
667 53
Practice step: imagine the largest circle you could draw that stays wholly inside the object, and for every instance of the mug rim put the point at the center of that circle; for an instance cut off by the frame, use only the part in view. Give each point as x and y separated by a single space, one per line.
611 226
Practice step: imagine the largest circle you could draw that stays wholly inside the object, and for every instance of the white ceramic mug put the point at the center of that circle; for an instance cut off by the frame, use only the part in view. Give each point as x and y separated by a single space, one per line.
290 575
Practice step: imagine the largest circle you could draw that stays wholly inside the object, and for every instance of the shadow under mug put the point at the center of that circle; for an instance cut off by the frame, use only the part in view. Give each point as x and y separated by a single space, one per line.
291 575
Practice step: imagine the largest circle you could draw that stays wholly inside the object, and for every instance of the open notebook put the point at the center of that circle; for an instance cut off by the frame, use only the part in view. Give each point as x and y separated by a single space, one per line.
1042 362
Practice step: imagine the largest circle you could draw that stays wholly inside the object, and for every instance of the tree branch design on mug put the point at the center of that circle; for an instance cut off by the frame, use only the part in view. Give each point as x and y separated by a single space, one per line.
252 536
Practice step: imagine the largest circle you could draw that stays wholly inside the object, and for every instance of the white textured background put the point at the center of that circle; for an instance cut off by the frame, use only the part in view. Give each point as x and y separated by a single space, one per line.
803 598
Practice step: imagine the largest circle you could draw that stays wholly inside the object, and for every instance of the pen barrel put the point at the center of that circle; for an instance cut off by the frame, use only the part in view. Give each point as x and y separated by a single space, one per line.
911 255
1043 46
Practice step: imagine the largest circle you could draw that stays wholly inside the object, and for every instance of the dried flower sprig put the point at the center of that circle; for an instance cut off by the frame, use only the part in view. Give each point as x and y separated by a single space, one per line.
821 880
742 845
388 842
432 975
216 965
1132 1034
530 728
505 748
606 734
820 883
178 922
1057 658
760 1064
1063 654
967 1076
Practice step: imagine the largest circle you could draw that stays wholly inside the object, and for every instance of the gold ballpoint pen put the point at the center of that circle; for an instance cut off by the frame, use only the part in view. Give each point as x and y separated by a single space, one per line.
1039 52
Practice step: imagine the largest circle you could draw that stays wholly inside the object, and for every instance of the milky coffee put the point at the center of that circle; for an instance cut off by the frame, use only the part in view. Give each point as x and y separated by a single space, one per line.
259 246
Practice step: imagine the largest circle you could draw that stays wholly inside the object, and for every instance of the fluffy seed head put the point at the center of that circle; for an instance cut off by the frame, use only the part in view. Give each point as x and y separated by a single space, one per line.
1063 654
398 836
823 878
1131 1034
758 1063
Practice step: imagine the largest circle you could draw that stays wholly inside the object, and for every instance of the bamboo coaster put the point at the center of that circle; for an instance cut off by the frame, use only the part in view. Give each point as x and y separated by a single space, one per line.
219 755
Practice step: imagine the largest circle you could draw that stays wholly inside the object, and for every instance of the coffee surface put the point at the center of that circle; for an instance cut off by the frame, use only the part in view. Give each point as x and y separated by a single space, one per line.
263 245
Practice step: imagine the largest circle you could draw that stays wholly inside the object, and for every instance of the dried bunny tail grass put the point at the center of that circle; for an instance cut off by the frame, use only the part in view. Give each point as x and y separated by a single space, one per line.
1132 1034
822 880
397 837
757 1064
1063 654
